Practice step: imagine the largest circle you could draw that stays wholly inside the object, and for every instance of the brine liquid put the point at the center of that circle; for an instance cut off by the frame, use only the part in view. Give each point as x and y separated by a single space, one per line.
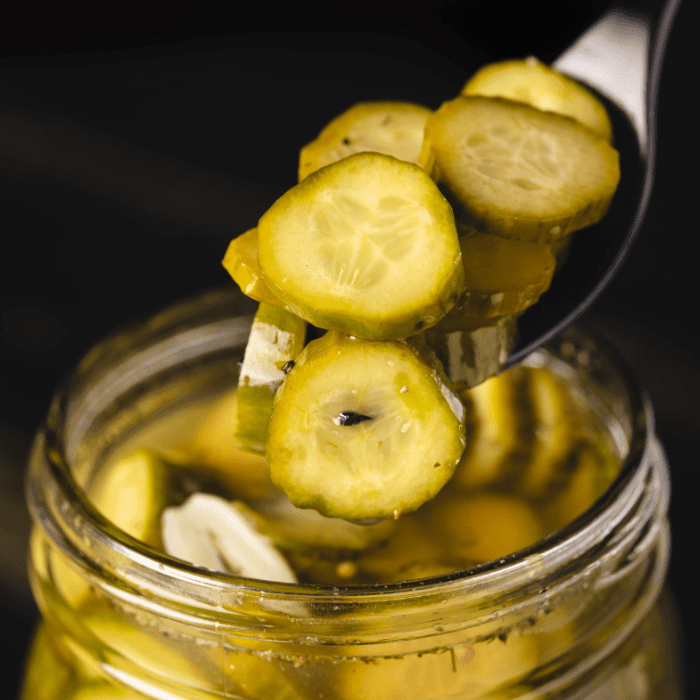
537 456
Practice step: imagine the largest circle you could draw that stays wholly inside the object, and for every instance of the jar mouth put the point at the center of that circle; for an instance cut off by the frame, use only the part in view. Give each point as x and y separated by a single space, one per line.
71 519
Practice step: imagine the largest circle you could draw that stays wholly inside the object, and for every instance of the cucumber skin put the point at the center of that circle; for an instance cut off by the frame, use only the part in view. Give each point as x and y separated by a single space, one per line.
571 97
254 406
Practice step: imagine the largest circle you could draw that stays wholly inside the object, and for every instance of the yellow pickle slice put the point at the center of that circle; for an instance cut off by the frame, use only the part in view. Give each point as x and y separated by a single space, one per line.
393 128
241 262
503 277
364 430
276 338
537 84
517 172
340 248
472 349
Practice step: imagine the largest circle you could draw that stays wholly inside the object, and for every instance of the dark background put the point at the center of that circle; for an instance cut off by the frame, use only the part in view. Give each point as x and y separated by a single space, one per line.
134 147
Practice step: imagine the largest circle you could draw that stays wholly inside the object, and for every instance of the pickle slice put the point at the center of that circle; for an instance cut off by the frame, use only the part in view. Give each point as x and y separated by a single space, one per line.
500 436
241 262
393 128
132 493
503 277
468 669
363 430
340 247
477 350
514 171
542 87
276 338
554 429
214 449
483 526
591 469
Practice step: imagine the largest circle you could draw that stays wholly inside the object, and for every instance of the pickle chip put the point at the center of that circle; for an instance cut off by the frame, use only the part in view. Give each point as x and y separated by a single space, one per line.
241 262
276 338
500 441
514 171
537 84
340 247
363 429
503 277
484 526
132 493
467 669
214 449
472 349
393 128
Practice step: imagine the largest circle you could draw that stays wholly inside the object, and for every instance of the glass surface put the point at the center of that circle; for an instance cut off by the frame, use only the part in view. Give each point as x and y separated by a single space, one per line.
577 615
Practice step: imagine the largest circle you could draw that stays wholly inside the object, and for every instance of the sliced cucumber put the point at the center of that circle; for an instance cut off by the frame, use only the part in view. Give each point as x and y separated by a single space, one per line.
104 691
48 673
241 262
591 469
132 492
259 677
503 277
514 171
146 641
475 352
214 449
542 87
554 425
484 526
340 247
468 669
501 437
393 128
363 429
276 338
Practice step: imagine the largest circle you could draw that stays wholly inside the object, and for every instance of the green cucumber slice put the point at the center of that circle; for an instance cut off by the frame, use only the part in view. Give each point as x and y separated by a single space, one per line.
471 355
241 262
393 128
340 247
364 429
503 277
500 434
276 338
542 87
483 526
132 492
514 171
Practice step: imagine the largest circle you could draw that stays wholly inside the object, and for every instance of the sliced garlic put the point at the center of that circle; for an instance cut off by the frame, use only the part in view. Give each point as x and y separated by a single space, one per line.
213 533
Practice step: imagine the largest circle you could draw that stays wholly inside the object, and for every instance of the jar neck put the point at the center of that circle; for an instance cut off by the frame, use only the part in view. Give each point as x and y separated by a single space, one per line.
625 533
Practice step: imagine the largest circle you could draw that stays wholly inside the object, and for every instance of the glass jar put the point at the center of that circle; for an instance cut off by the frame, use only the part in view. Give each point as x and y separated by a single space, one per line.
578 615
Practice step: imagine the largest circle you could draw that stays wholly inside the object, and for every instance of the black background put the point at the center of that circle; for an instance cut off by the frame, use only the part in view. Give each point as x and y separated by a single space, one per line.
133 147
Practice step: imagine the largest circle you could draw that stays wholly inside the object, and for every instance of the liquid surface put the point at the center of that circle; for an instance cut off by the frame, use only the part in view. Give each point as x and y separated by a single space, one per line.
537 456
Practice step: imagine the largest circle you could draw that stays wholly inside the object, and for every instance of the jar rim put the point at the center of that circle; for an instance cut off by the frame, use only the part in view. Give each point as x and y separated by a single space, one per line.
576 539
